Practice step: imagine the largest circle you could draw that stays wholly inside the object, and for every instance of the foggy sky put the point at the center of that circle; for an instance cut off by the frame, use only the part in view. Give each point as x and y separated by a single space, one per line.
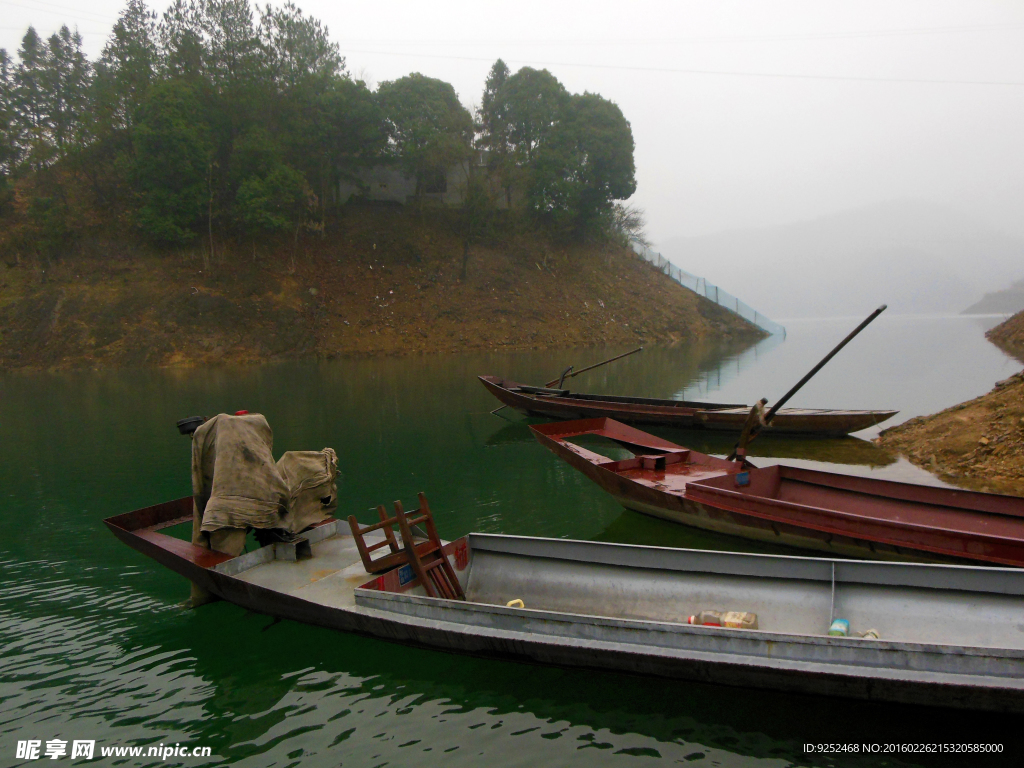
721 151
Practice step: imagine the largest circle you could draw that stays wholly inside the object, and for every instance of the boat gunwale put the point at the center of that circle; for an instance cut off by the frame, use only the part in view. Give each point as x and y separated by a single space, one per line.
842 514
762 565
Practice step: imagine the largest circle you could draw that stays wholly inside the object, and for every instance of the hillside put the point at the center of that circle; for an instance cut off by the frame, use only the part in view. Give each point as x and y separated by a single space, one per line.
1008 300
1009 336
381 281
915 257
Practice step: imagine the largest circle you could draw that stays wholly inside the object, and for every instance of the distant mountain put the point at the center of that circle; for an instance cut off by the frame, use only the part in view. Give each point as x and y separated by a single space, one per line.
915 257
1005 302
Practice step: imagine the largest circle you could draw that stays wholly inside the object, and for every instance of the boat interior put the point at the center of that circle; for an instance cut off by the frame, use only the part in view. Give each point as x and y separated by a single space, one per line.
910 505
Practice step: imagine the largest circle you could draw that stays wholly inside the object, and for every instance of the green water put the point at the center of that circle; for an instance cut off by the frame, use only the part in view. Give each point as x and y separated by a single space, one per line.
96 645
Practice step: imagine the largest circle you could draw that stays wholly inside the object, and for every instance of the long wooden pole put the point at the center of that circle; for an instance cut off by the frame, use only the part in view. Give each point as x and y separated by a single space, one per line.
785 398
596 365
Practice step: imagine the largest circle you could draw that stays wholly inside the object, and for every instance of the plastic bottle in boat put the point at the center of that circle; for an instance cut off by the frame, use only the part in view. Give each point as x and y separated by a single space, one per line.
732 619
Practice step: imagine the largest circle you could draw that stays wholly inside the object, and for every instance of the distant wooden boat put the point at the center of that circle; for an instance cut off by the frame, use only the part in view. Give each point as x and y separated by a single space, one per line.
852 516
563 404
949 634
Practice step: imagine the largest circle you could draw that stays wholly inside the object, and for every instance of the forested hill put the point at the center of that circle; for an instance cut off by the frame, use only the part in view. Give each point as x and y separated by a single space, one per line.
218 122
179 200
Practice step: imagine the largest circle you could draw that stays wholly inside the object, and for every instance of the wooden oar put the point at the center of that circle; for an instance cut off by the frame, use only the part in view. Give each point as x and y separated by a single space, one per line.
753 426
568 375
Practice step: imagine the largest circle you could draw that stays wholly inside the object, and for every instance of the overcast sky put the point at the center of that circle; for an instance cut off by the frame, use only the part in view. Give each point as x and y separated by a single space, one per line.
744 113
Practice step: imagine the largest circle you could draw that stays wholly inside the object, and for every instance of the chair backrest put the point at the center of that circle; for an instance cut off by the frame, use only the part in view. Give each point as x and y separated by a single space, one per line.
428 559
387 562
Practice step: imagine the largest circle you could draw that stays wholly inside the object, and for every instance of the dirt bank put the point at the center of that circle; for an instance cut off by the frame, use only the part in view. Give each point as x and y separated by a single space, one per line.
380 281
978 444
1009 336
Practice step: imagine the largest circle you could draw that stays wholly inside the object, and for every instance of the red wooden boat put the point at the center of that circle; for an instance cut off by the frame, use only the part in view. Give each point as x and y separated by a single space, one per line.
846 515
563 404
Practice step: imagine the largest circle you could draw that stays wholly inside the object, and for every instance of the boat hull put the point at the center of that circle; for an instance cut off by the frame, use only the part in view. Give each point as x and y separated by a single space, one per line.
915 675
679 414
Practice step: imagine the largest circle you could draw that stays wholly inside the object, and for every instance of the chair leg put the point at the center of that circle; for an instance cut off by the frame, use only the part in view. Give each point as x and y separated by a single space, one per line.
388 533
410 548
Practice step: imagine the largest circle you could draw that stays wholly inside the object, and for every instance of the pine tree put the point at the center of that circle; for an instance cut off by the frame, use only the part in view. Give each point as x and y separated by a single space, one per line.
9 151
126 67
65 79
31 118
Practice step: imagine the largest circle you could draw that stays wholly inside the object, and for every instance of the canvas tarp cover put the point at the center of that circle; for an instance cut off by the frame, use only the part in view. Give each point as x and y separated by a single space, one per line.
237 484
312 479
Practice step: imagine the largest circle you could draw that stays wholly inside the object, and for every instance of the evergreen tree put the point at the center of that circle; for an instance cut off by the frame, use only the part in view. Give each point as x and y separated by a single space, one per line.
126 67
531 102
30 116
492 112
182 43
298 50
274 202
65 79
221 115
9 150
518 113
173 163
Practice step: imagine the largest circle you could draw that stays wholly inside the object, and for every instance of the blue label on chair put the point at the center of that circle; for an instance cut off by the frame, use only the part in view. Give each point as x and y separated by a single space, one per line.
743 478
405 575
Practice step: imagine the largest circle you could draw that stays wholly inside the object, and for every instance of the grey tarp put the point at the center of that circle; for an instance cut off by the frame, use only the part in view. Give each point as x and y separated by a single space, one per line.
237 484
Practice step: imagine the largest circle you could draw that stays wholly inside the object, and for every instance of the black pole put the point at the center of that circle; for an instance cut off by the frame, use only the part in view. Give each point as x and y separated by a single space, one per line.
771 413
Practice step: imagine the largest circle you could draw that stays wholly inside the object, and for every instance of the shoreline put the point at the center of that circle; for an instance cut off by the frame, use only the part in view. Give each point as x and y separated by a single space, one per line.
977 444
383 285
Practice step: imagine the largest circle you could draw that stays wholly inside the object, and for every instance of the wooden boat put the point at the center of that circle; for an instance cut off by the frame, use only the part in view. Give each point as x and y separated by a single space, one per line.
841 514
563 404
949 634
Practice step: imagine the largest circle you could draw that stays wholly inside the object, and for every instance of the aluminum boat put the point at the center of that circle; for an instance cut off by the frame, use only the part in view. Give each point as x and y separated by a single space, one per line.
949 635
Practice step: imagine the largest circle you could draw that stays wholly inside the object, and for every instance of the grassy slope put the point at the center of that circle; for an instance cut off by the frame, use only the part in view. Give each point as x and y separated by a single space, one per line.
381 281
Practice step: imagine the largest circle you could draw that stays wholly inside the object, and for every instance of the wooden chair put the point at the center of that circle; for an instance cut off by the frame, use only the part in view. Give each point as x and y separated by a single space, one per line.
387 562
426 558
429 562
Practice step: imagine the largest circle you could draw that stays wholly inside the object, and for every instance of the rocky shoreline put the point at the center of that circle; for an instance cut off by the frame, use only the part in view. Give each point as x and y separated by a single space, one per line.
977 445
